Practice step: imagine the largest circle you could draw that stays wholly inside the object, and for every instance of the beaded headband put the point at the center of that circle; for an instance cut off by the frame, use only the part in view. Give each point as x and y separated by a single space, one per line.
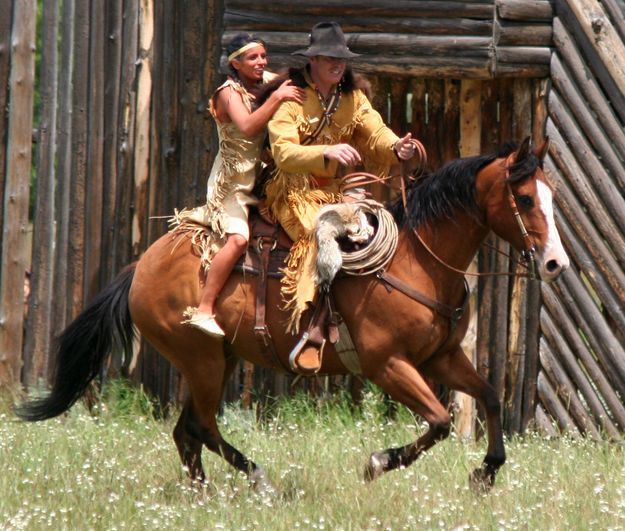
244 49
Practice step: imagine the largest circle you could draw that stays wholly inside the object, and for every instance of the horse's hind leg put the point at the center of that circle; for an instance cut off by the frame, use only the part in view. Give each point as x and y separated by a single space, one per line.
190 447
206 385
403 383
455 371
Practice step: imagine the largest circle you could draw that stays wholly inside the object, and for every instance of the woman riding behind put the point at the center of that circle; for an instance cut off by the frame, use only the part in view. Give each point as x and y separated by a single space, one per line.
241 128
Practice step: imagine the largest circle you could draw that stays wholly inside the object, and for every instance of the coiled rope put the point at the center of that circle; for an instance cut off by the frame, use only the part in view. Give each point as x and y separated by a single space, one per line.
379 252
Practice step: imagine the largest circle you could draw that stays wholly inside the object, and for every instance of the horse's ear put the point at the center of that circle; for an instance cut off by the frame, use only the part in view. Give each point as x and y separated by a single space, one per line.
524 149
542 151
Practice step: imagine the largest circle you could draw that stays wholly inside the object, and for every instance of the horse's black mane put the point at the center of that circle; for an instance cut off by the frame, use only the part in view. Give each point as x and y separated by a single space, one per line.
438 194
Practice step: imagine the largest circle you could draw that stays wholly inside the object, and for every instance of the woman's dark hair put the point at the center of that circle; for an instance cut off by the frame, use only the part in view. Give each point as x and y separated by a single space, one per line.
238 41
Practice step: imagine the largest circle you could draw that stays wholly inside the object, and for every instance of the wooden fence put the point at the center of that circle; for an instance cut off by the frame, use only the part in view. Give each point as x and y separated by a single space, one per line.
123 138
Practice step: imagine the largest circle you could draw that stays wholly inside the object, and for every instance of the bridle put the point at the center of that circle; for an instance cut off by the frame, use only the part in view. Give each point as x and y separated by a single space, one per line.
528 254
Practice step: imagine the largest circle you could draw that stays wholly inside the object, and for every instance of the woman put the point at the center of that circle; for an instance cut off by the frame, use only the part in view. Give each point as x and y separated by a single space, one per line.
241 130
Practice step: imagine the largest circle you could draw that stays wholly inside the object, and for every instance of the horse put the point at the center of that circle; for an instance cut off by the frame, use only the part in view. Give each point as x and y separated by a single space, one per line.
403 343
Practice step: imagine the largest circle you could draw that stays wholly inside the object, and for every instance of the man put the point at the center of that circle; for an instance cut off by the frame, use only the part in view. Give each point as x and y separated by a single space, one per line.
334 127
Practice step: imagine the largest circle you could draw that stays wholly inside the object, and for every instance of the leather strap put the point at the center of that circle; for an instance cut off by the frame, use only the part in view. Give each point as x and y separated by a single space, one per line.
453 314
261 330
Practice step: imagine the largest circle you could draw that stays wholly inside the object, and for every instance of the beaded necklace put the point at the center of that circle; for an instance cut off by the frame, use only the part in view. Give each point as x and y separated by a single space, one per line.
331 103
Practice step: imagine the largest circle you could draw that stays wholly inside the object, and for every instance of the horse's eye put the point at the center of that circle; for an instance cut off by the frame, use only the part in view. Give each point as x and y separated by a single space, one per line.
526 201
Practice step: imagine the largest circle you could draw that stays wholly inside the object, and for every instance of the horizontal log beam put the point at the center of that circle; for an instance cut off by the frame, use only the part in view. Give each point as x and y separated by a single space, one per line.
533 10
524 54
245 20
382 43
372 8
508 34
426 67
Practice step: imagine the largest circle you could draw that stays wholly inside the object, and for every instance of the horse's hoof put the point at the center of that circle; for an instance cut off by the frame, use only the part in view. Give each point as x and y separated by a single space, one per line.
481 481
375 467
261 485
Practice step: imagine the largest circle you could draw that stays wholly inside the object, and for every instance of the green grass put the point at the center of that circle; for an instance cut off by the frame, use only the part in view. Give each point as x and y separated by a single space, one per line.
119 469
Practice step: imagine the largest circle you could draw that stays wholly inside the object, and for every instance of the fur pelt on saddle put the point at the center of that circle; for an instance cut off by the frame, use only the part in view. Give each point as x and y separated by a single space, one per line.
334 222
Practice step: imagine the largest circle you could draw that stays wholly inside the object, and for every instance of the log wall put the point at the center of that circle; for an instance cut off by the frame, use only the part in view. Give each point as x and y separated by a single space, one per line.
122 138
582 349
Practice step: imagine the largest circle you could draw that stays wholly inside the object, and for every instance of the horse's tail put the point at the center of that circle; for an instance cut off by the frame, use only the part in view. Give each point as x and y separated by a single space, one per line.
103 327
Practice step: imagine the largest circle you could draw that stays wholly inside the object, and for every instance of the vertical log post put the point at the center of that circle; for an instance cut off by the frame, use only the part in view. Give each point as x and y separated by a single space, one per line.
15 250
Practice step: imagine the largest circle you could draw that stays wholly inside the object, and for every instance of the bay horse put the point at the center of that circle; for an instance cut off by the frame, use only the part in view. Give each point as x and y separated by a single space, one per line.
401 342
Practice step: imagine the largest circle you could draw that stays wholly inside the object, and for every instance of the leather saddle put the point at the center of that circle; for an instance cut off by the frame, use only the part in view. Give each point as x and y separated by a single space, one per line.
266 255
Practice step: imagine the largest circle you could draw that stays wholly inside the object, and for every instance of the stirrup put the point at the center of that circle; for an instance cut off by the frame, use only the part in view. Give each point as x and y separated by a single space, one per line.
307 355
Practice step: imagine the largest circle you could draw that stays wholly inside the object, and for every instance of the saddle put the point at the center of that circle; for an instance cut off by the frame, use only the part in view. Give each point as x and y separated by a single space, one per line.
266 255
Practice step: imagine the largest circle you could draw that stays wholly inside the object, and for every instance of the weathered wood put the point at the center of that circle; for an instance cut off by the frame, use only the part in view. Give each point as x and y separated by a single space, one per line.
451 115
565 390
525 10
445 67
588 86
586 232
554 407
544 422
570 168
591 55
617 15
516 351
523 54
254 21
540 112
565 326
605 188
5 61
603 143
141 162
490 140
510 34
75 258
605 40
571 381
593 275
380 43
122 239
588 317
399 90
39 325
470 144
435 135
372 8
532 334
520 70
112 102
94 156
15 254
63 171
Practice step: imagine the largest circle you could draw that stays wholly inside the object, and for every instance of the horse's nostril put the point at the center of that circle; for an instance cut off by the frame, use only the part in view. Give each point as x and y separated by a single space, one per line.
552 265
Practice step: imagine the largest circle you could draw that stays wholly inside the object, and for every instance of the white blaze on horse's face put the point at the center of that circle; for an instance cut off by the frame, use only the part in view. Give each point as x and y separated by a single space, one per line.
552 260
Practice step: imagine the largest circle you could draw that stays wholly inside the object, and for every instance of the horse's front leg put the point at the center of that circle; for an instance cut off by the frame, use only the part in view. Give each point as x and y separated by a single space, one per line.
454 370
403 383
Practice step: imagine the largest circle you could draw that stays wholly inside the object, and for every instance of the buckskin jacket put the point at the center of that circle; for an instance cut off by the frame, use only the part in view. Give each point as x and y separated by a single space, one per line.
304 180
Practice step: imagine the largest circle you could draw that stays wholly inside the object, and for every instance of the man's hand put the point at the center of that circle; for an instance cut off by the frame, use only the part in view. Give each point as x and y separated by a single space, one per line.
405 147
342 153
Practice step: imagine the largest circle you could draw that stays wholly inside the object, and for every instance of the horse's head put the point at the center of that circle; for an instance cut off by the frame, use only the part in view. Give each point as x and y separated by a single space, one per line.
518 205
